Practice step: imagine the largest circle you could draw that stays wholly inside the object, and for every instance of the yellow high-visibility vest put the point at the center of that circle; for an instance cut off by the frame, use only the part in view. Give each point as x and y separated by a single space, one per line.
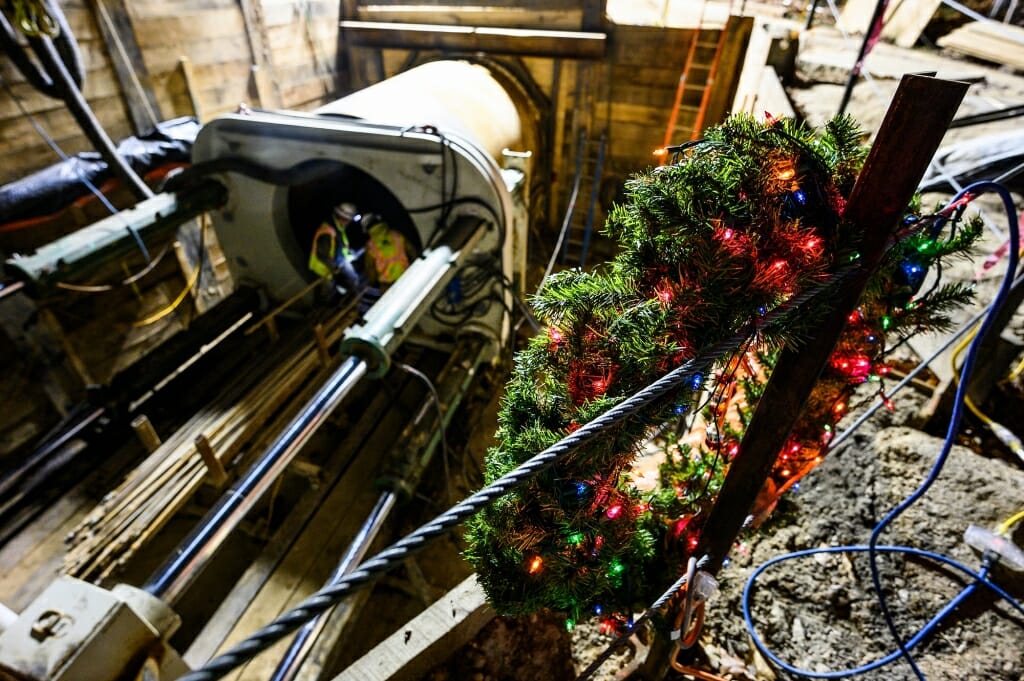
324 253
321 255
386 249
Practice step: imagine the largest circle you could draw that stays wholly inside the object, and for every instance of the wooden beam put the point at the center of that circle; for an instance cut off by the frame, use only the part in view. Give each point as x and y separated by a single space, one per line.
428 639
473 15
343 66
521 42
593 15
129 67
263 60
908 138
730 66
245 590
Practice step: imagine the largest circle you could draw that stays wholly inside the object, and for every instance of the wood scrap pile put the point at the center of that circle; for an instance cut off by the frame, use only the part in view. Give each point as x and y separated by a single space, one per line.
988 40
247 415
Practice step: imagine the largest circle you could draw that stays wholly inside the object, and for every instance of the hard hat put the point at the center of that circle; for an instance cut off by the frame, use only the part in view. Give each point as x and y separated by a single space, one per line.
346 210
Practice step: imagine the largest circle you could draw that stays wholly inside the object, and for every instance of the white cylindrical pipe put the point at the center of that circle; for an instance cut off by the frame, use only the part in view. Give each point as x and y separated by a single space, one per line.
7 617
453 96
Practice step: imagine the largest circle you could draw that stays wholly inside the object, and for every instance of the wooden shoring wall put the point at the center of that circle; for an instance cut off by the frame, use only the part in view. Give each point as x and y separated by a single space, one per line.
22 150
269 53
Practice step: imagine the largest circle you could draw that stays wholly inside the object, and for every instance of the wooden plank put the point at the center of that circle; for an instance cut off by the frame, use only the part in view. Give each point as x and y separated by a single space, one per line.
904 20
594 15
34 103
306 95
180 29
856 14
637 114
18 133
263 58
426 641
94 60
281 12
723 87
147 9
523 42
999 43
82 22
500 17
908 21
346 67
660 76
748 85
772 97
206 53
129 66
650 45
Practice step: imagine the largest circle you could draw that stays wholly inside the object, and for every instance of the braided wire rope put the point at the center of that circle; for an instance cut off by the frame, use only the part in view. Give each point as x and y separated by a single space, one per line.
376 567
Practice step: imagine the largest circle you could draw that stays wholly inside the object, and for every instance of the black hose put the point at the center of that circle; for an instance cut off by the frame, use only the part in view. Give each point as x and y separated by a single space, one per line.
300 173
67 48
60 75
86 119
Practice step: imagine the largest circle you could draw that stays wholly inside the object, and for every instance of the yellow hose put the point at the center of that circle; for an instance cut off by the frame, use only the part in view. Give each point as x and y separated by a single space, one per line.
1004 434
1008 524
157 316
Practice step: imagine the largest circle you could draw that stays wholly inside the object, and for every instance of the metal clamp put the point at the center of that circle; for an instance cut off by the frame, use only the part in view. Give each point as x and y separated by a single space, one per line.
32 17
700 586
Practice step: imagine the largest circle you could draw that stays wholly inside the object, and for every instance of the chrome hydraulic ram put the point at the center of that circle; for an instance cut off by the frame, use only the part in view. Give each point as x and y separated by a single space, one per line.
369 346
416 446
304 641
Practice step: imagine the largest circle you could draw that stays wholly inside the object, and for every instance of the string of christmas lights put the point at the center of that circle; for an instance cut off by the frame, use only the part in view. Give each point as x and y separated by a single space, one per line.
746 219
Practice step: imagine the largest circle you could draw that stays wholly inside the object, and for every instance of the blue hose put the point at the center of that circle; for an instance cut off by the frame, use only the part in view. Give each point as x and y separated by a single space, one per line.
873 548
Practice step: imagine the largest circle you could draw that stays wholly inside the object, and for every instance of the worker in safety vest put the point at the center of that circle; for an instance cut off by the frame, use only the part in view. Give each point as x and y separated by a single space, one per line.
331 254
386 252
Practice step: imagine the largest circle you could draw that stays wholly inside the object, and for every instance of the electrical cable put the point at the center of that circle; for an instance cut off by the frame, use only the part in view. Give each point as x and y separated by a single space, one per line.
567 220
373 569
873 548
436 398
193 281
954 422
980 578
1008 524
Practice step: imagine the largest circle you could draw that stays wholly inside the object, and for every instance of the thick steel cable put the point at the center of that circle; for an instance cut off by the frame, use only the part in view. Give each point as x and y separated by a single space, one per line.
396 554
